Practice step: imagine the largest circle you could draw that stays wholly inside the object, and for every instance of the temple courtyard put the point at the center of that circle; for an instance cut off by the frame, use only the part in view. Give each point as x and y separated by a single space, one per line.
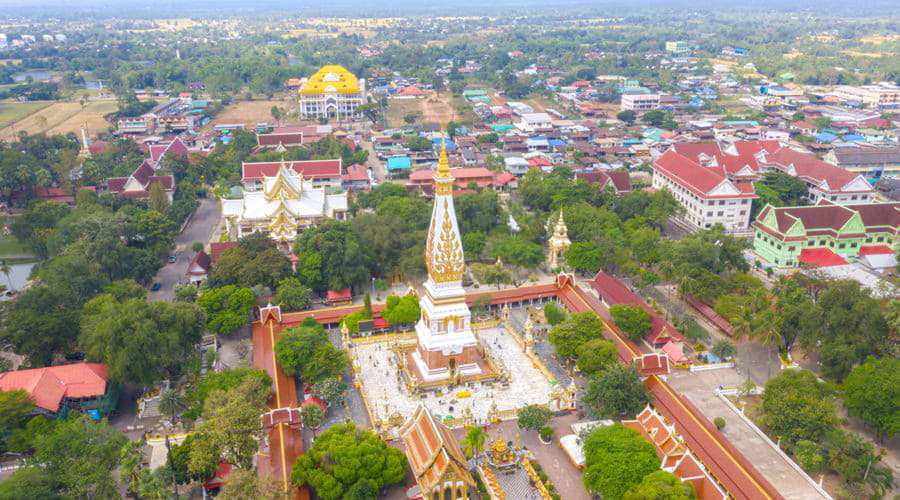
387 394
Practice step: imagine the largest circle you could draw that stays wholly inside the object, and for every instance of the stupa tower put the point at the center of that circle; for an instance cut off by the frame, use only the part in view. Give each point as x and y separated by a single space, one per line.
446 347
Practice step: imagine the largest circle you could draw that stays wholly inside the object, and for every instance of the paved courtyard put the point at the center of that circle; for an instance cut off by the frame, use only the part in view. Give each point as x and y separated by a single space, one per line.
387 394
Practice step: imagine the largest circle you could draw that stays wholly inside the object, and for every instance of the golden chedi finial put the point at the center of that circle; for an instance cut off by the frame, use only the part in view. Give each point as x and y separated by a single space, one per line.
443 170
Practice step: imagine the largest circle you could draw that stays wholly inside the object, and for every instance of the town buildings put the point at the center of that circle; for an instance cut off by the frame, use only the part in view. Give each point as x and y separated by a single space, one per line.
57 390
825 233
678 47
871 162
714 181
639 102
281 205
880 96
332 92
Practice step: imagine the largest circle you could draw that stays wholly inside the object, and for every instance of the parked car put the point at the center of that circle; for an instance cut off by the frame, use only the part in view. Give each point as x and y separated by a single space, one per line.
172 259
154 287
75 356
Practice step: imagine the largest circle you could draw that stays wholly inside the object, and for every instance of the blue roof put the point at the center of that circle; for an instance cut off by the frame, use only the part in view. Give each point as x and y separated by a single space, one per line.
853 137
632 141
436 143
398 163
557 142
538 138
825 137
502 127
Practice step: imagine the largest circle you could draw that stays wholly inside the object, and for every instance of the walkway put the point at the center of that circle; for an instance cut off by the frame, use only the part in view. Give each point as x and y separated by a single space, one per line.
699 388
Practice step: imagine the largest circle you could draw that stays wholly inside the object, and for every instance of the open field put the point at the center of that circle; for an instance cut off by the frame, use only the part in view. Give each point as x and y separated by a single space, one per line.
539 103
11 112
252 112
432 109
62 118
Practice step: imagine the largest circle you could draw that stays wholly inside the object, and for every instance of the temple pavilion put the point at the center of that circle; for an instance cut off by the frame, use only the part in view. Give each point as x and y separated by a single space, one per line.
436 459
283 207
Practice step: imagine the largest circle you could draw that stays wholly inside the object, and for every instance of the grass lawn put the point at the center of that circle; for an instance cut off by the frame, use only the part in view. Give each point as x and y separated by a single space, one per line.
9 244
11 112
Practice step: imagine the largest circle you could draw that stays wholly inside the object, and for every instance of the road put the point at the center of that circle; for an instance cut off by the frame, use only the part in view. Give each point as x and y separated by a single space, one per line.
200 228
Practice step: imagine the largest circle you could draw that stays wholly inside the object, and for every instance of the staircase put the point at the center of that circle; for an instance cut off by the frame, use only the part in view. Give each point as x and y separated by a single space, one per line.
149 408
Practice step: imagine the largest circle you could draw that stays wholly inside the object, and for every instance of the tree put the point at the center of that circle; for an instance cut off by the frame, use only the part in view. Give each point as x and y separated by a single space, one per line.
180 456
330 391
617 458
231 427
553 313
222 381
596 355
654 117
343 455
158 198
634 321
243 484
362 490
401 310
79 456
227 308
808 456
617 392
567 336
171 403
307 352
473 442
583 256
797 406
872 392
255 261
22 440
14 407
626 116
533 417
661 485
343 261
186 293
723 349
312 416
495 275
858 463
140 342
292 295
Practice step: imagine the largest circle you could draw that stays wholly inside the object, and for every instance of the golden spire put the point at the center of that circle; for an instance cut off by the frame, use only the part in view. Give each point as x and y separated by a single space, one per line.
443 170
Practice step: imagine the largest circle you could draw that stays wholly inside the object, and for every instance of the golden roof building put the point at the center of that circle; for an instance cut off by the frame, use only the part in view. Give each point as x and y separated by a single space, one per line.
333 93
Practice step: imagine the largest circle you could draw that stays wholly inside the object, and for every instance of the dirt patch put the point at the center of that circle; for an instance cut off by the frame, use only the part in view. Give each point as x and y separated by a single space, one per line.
62 118
432 109
252 112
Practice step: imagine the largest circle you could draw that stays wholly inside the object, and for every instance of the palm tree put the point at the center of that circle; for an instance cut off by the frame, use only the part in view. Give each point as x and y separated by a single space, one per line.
5 269
171 403
473 443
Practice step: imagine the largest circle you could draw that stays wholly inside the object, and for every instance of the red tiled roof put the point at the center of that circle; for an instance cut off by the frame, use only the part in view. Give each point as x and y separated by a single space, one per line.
167 181
459 174
287 140
696 178
48 386
338 295
380 323
356 172
620 180
144 172
176 147
312 400
218 479
309 169
820 257
810 168
216 249
613 292
876 250
675 353
653 364
504 178
202 260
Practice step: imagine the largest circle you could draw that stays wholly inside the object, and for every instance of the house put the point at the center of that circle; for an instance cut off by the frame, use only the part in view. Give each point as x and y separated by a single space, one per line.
356 178
872 162
217 248
612 292
516 165
423 180
198 269
57 390
532 122
619 180
398 165
826 233
175 148
322 173
639 102
56 194
137 185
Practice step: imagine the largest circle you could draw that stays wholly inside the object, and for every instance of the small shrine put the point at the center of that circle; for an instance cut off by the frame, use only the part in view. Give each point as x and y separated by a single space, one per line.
558 243
501 456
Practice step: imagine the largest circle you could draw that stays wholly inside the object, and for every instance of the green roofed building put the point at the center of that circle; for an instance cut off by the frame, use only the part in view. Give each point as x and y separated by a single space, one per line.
825 234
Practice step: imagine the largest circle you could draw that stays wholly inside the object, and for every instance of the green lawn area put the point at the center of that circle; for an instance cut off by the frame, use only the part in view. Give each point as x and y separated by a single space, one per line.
11 112
9 244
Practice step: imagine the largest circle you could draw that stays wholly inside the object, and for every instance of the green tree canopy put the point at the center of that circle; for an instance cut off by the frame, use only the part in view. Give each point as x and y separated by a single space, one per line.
872 392
223 381
292 295
596 355
568 336
343 455
634 321
227 308
661 485
617 459
797 406
533 417
306 351
617 392
401 310
342 260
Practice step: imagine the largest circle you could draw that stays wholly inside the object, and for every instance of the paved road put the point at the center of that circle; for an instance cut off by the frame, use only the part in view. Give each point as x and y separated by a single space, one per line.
201 226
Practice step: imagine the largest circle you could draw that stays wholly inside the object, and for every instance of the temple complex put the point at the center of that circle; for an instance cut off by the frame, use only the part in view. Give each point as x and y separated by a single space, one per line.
446 348
435 457
284 206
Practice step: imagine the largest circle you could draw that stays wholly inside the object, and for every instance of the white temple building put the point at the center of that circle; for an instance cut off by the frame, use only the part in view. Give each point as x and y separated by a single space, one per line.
285 206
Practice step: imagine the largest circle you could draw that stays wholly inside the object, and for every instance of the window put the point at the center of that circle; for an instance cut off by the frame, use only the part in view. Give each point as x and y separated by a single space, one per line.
869 240
842 245
743 212
792 249
853 197
779 247
880 239
721 202
709 214
720 213
822 243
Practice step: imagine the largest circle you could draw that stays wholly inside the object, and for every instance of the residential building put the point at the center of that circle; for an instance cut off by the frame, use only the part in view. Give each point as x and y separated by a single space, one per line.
320 173
678 47
356 178
639 102
880 96
198 269
872 162
535 121
57 390
332 92
619 180
422 180
137 185
282 207
826 233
